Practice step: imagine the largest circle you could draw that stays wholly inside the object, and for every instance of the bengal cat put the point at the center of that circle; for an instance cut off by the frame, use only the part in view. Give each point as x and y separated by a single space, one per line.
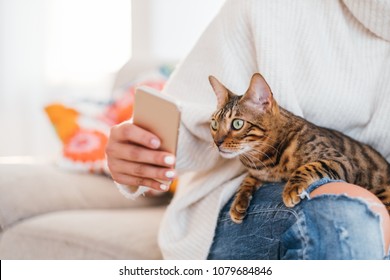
277 146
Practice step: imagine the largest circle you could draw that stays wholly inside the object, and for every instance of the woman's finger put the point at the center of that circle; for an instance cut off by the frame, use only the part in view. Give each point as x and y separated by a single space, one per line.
128 132
139 154
128 180
142 170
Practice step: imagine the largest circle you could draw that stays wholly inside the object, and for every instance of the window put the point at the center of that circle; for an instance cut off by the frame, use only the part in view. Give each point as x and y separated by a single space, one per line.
87 42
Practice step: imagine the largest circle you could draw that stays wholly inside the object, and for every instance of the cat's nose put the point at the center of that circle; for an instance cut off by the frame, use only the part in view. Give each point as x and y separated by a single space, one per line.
219 142
219 139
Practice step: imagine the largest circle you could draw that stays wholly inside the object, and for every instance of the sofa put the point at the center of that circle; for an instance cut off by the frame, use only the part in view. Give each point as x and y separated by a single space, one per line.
48 212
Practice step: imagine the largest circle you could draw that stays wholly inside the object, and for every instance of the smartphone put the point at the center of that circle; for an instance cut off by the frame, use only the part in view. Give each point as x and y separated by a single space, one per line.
159 114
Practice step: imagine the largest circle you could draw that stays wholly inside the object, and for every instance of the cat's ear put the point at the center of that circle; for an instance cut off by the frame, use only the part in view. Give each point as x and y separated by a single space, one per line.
259 93
222 93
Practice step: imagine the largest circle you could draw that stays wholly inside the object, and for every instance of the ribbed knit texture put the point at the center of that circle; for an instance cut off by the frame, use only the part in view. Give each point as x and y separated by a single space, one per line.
322 62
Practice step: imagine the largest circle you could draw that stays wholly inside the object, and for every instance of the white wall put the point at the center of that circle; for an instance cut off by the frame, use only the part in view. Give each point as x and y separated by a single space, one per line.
21 76
168 29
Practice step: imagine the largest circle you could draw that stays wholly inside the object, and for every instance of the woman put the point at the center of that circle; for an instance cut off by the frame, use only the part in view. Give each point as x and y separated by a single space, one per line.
327 61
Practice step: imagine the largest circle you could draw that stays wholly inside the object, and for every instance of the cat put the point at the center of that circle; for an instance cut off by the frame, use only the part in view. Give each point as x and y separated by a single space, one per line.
277 146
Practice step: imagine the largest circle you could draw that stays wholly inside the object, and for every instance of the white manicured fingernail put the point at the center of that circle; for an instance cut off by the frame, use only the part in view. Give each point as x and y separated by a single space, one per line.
164 187
169 160
170 174
155 143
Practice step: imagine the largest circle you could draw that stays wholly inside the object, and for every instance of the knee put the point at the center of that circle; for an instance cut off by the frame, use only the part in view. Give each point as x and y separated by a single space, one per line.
355 191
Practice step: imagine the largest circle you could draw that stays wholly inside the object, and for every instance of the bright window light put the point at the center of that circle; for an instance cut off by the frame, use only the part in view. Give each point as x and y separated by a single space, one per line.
87 40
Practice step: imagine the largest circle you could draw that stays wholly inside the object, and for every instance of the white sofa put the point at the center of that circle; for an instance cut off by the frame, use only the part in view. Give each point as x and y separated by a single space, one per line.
48 213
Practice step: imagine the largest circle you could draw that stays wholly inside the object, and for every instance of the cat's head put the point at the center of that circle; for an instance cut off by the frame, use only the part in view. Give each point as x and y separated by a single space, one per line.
243 123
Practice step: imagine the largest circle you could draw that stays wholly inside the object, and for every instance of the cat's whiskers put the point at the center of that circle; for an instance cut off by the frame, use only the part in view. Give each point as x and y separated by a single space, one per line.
257 159
264 154
252 165
250 157
253 159
270 146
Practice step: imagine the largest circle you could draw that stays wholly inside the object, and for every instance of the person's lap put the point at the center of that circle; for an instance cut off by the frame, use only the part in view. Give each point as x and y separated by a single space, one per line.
327 226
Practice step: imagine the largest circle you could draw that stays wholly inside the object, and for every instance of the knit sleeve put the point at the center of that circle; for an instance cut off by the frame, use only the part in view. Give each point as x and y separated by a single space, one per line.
225 50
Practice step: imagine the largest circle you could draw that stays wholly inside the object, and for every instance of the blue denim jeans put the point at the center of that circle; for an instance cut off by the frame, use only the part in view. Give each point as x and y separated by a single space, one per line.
324 227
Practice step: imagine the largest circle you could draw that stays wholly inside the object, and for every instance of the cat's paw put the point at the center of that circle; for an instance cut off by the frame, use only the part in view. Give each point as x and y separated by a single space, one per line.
239 207
236 216
292 194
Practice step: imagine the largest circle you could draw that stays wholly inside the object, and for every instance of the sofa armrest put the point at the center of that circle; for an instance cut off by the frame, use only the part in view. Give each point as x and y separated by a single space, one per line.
28 190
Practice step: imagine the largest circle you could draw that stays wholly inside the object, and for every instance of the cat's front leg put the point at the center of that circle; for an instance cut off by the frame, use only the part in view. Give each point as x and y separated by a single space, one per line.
243 198
307 174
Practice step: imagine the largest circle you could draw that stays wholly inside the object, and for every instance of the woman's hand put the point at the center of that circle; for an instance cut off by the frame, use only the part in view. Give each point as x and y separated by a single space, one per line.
134 159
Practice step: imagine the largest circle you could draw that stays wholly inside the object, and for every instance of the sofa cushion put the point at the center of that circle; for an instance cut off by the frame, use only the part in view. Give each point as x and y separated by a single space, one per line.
33 189
85 234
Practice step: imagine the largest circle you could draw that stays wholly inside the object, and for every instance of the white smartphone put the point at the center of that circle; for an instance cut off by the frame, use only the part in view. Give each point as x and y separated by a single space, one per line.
159 114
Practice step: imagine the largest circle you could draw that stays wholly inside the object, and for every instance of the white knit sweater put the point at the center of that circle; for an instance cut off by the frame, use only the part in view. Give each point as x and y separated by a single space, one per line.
327 61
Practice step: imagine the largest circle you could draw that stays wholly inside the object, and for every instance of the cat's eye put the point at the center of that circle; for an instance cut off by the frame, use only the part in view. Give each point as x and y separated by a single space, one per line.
214 124
237 124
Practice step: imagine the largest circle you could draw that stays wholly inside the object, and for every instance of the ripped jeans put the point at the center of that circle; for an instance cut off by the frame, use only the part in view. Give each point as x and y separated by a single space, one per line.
323 227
